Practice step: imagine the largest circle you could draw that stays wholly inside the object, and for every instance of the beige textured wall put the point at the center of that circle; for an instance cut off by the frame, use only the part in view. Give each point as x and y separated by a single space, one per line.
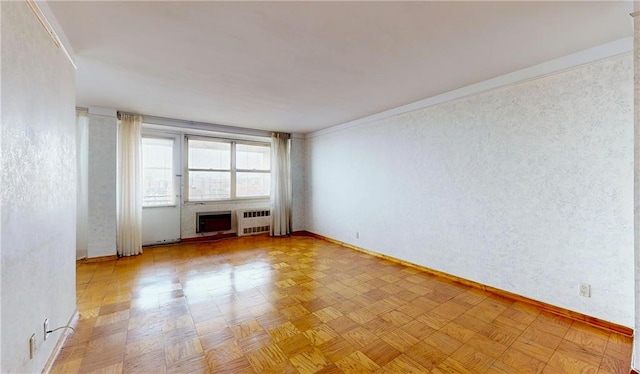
527 188
101 187
298 157
636 60
38 189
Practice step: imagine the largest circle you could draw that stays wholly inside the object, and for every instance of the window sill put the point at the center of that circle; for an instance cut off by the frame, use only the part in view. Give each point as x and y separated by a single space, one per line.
230 201
158 206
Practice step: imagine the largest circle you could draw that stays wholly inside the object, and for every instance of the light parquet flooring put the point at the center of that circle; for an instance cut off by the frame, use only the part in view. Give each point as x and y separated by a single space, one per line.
303 305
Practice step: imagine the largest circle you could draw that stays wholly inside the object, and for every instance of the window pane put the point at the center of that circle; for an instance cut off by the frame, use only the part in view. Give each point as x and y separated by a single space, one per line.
207 154
253 157
209 185
253 184
157 172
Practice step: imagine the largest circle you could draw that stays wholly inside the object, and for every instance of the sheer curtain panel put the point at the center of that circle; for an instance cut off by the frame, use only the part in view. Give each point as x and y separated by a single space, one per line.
129 182
280 184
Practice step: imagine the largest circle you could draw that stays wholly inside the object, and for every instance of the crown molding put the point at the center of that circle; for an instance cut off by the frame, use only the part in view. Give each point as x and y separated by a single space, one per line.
601 52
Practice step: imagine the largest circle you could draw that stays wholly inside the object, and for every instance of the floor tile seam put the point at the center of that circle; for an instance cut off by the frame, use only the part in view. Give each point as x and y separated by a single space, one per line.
588 352
526 354
565 354
511 344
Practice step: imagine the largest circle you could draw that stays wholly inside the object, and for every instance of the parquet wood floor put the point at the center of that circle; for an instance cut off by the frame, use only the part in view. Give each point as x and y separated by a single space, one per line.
303 305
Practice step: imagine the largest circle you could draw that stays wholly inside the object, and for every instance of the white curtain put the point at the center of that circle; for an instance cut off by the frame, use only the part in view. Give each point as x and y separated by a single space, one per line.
280 184
129 189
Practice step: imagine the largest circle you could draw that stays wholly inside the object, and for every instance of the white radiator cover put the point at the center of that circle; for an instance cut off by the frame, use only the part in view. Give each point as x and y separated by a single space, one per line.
253 221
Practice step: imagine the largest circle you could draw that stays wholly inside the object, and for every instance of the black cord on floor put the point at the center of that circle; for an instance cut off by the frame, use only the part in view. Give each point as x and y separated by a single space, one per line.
63 327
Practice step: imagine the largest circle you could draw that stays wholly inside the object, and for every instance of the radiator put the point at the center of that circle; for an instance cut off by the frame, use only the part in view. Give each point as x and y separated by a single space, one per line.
253 221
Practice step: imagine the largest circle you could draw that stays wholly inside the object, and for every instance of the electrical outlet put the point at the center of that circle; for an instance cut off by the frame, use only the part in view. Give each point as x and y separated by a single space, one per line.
32 346
585 289
46 328
357 235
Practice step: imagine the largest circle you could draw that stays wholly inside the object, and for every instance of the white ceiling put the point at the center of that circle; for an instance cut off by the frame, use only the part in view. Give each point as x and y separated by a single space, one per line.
305 66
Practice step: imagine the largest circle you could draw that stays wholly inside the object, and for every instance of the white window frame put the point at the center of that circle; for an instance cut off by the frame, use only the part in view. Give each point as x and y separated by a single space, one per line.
233 169
175 166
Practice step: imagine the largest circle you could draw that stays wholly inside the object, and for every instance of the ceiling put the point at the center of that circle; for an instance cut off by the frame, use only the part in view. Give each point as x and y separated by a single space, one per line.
305 66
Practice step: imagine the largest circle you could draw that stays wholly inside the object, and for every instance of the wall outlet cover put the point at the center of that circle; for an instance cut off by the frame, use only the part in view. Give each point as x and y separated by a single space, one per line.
32 346
585 290
46 328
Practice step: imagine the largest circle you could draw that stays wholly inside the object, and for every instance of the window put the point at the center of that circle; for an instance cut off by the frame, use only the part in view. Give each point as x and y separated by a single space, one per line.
209 170
224 169
157 172
253 166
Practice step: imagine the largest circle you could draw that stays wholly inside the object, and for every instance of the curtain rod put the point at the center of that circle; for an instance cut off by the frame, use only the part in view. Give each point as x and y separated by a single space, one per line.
203 126
179 123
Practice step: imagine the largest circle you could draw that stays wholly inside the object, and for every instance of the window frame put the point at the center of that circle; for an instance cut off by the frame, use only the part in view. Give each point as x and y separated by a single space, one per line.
233 170
174 170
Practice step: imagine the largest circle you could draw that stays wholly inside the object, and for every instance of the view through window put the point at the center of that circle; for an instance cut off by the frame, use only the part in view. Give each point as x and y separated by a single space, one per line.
223 169
157 172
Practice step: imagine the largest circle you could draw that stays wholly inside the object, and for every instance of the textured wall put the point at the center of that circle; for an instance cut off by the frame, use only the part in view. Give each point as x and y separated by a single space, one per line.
82 161
38 189
636 52
102 186
527 188
298 156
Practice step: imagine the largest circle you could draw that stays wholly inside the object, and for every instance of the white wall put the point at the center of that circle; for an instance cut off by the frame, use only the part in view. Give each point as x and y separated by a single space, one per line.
38 189
298 157
527 188
82 162
102 184
160 225
636 62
